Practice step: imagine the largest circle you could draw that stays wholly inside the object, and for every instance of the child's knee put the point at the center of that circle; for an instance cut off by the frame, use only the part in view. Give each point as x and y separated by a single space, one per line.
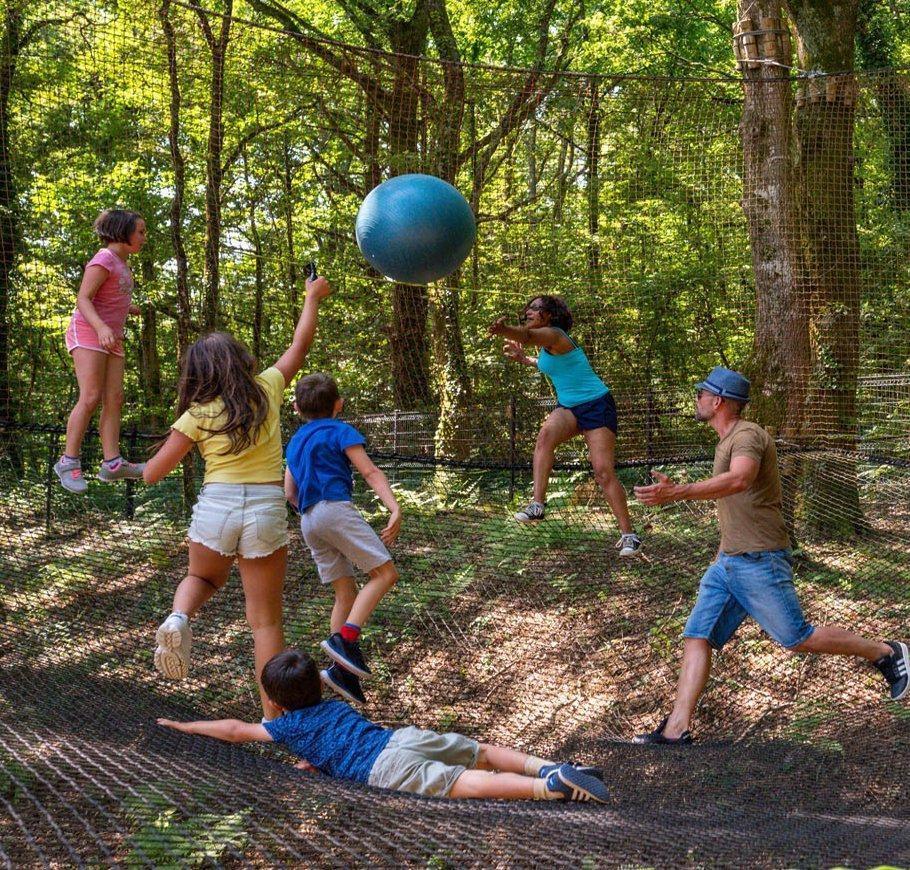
345 590
113 399
90 398
386 573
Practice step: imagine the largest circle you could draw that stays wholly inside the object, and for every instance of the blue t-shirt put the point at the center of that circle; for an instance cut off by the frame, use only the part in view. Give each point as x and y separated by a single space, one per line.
332 736
318 463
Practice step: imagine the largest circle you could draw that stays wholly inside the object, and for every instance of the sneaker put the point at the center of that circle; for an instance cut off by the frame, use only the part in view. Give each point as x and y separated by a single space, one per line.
629 544
656 737
346 654
174 638
549 769
576 785
895 669
123 470
534 511
345 683
70 473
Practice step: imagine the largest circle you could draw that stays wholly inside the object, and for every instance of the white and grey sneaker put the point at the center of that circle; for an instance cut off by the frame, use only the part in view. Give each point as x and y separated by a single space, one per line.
628 545
122 470
174 638
534 511
70 473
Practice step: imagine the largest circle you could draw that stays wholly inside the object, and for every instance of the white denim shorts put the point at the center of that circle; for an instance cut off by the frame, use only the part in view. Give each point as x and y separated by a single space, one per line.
423 762
338 535
240 519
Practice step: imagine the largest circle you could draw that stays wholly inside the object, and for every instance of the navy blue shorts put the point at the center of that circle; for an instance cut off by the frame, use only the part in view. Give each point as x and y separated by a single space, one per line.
595 414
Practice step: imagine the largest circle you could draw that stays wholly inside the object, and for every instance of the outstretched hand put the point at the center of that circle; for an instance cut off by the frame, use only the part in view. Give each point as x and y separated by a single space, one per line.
498 327
662 492
305 765
514 351
170 723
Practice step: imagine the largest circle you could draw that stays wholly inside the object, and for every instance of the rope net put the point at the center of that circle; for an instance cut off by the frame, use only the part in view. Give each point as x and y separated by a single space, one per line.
651 206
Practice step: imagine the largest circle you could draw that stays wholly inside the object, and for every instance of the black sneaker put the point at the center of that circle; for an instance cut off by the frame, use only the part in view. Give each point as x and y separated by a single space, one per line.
345 683
347 654
577 786
895 669
656 737
547 769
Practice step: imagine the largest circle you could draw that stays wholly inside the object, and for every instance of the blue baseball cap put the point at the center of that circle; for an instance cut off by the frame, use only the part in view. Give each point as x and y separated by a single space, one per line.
726 383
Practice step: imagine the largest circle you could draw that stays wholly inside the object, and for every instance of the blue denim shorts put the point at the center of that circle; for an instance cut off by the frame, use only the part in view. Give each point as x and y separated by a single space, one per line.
595 414
757 584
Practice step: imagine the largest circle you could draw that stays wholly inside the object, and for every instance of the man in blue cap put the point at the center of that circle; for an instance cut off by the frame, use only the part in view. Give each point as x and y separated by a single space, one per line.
752 574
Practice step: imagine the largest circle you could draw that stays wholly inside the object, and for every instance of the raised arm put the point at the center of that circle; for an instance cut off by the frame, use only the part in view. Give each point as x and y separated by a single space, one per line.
292 359
554 340
379 483
168 457
742 474
229 730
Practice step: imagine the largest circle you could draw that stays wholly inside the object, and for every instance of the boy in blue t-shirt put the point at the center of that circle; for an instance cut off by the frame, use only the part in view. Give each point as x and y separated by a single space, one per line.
319 484
335 739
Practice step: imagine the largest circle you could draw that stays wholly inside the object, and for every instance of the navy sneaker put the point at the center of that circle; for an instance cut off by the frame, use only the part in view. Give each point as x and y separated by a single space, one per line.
346 654
895 668
346 684
548 769
576 785
656 737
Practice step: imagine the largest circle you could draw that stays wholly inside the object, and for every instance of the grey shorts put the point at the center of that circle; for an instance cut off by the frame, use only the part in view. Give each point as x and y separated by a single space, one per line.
337 536
240 519
423 762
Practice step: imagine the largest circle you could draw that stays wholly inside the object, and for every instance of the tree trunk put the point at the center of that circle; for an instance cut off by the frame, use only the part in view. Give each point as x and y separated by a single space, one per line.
410 304
211 310
824 130
287 181
780 362
10 44
149 359
592 175
255 238
184 313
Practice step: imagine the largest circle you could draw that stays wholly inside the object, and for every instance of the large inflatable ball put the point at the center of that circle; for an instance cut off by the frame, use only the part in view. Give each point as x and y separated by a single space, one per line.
415 228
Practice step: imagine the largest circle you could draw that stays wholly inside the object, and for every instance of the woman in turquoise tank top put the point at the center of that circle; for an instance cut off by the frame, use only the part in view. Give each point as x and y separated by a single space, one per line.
585 405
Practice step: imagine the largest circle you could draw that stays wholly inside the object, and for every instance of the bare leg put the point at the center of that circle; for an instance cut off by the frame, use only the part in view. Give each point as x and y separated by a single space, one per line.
90 366
696 666
559 426
208 572
111 406
485 784
382 579
492 757
345 594
837 641
602 450
263 585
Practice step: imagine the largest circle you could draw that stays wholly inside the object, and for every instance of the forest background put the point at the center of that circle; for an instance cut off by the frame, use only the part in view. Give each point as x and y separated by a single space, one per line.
694 210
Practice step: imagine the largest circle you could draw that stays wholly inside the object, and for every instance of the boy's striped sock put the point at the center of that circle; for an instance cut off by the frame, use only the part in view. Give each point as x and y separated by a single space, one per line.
350 632
533 764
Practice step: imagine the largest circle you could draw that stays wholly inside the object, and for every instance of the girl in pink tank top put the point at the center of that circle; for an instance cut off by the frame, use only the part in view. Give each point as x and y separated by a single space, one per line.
94 338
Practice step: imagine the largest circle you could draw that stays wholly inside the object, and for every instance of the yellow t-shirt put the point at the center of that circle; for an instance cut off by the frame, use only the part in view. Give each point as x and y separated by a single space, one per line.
260 462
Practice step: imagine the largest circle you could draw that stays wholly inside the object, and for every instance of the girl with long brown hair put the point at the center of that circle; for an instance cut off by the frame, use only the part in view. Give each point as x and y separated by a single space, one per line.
231 414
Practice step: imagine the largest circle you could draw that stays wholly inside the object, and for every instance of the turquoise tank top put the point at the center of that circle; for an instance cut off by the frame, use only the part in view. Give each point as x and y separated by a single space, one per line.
573 378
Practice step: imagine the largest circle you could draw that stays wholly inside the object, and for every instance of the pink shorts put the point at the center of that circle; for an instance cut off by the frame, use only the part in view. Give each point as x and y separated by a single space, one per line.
82 334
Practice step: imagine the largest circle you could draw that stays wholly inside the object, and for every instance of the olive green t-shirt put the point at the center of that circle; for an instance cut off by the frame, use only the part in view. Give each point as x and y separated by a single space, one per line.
751 520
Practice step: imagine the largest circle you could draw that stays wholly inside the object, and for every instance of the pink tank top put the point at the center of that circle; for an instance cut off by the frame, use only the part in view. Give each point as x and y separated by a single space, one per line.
112 300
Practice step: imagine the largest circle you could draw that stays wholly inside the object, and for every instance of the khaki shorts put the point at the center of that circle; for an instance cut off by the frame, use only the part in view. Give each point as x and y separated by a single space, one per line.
423 762
338 535
240 519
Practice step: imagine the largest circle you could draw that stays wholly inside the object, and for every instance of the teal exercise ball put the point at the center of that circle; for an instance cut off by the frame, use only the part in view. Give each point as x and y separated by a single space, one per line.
415 228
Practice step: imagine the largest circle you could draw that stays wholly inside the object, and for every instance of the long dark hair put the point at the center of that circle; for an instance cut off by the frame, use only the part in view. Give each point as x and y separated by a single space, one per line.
556 307
217 366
